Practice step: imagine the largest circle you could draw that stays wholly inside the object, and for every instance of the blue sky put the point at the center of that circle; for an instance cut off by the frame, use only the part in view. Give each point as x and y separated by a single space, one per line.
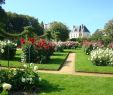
92 13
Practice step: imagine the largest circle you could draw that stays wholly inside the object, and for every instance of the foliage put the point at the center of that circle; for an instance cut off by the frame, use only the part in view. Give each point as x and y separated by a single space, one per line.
59 31
21 80
97 35
59 46
3 19
109 28
2 1
17 22
38 51
102 57
48 35
7 49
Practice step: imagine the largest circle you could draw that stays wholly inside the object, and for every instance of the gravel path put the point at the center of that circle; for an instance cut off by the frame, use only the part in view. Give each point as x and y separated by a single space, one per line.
69 68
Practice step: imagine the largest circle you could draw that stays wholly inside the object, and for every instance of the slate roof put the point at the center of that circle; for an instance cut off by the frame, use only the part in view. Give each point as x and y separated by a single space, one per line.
81 28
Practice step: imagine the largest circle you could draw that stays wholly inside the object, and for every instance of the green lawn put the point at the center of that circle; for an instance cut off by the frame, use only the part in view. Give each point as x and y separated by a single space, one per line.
54 84
84 64
56 60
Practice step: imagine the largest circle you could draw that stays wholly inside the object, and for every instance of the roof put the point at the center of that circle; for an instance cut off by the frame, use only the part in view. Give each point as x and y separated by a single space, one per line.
81 28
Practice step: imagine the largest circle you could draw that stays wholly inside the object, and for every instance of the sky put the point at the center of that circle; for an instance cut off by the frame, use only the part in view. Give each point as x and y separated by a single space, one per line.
92 13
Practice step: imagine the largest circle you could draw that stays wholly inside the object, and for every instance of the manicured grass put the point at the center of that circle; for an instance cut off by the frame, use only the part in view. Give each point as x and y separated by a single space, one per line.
83 64
54 84
56 60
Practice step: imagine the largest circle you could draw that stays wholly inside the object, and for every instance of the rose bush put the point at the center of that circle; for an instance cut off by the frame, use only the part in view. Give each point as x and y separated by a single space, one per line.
36 51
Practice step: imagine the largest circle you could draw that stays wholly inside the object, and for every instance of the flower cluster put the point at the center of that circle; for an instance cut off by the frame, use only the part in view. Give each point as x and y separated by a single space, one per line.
37 51
89 46
71 44
102 57
110 45
7 49
20 79
29 40
59 46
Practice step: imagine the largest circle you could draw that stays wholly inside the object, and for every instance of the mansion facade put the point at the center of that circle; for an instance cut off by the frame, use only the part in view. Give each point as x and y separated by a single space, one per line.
79 32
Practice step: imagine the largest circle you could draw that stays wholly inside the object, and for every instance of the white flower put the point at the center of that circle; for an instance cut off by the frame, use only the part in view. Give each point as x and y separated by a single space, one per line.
25 66
8 41
2 50
35 68
6 86
23 79
31 64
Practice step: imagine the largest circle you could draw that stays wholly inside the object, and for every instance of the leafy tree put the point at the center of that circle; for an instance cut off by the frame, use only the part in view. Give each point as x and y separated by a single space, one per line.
42 24
109 28
59 31
48 35
2 1
16 23
97 35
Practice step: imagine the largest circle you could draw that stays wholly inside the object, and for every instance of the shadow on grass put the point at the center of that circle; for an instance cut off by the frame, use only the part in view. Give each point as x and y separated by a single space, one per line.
55 61
47 87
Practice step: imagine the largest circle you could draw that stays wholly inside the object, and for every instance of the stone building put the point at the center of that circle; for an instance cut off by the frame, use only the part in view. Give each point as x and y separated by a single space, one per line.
79 32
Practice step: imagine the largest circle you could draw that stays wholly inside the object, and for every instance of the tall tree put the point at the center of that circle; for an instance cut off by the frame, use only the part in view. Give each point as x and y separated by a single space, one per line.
97 35
109 28
17 22
59 31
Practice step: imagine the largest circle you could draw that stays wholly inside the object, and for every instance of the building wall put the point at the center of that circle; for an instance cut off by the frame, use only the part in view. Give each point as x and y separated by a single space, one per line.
78 35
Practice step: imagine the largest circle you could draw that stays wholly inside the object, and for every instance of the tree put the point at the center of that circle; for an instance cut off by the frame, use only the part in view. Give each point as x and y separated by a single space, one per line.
97 35
48 35
59 31
17 22
2 2
109 28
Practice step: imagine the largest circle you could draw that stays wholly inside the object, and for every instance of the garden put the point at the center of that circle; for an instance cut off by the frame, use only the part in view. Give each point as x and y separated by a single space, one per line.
29 51
21 65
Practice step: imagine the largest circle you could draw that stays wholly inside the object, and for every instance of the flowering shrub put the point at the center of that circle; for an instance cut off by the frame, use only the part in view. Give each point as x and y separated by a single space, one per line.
102 57
37 51
89 46
7 49
71 44
21 80
45 50
59 46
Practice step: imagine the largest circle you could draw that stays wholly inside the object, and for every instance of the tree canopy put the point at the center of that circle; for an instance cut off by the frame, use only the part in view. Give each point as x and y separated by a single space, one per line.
16 23
59 31
109 28
2 1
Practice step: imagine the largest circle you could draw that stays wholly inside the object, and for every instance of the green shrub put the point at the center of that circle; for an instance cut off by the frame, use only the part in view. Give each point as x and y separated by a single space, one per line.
88 49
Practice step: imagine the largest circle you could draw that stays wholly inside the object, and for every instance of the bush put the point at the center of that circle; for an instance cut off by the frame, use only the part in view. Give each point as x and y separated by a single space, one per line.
21 80
102 57
38 52
88 49
7 49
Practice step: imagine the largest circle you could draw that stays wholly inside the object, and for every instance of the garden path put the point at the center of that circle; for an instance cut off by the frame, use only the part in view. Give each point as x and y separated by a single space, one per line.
69 68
